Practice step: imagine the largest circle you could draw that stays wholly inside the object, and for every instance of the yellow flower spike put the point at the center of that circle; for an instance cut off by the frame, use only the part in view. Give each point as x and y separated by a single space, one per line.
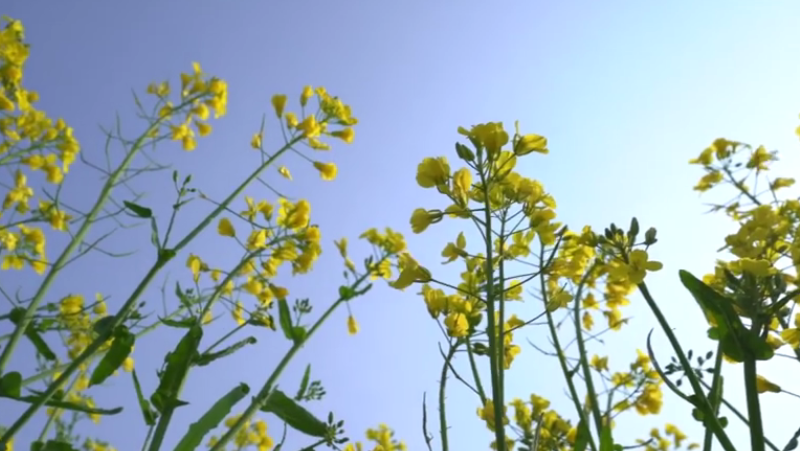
279 104
326 170
346 134
203 128
763 385
225 228
255 143
352 325
308 92
284 171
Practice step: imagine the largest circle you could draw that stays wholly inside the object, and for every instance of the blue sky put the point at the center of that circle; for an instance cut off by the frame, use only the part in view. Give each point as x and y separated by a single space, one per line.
626 92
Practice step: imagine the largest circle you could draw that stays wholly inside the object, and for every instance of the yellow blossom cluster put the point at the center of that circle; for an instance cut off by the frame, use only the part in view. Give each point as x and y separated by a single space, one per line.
31 142
765 247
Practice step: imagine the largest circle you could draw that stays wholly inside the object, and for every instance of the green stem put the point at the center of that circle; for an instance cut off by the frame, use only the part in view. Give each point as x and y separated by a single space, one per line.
715 391
501 355
713 421
562 359
442 388
494 347
266 390
753 404
739 415
584 361
474 367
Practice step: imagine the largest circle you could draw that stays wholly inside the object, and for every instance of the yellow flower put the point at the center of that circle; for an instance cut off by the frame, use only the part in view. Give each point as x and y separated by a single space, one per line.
255 143
326 170
422 218
308 92
284 171
352 325
203 128
636 268
225 228
279 104
763 385
346 134
456 324
432 172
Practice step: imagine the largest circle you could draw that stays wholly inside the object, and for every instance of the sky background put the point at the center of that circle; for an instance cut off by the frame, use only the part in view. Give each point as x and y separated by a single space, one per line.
626 93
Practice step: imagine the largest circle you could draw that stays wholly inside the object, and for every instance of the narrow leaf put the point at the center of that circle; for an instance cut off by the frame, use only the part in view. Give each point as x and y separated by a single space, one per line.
184 323
138 210
207 358
285 318
294 414
178 363
147 412
304 384
32 334
211 419
66 405
120 349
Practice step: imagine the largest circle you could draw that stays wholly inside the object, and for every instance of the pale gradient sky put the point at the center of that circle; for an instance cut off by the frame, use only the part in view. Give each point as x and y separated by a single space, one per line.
626 92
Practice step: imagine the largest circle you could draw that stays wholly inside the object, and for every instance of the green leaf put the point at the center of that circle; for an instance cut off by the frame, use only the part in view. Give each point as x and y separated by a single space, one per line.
102 325
211 419
285 319
183 323
154 233
138 210
147 412
736 340
206 358
52 445
11 384
66 405
606 440
582 437
304 384
294 414
120 349
178 363
16 315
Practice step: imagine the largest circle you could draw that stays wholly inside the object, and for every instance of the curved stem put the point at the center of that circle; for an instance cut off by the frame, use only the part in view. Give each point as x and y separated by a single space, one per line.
442 388
713 421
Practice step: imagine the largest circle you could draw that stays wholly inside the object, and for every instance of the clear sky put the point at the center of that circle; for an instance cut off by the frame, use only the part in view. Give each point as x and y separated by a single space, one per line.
626 92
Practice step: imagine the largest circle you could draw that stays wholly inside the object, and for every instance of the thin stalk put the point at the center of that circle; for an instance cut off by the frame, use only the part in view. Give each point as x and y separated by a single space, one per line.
739 415
584 361
713 422
562 359
494 347
442 388
474 367
501 372
715 391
